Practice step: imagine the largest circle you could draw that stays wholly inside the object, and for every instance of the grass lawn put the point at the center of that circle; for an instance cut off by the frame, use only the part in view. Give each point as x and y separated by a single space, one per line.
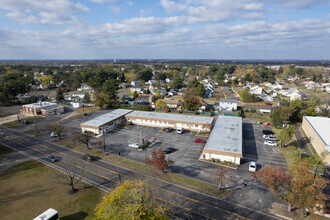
33 132
15 124
4 149
257 117
148 170
4 115
30 188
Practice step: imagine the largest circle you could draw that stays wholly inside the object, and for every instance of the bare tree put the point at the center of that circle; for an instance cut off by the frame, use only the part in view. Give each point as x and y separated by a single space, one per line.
57 129
74 174
85 138
220 172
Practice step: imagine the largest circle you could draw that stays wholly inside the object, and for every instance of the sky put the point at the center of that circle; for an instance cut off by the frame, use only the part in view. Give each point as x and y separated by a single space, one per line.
165 29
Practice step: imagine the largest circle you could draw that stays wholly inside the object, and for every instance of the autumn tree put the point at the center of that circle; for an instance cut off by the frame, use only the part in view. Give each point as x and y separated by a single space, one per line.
191 99
301 187
158 160
131 200
277 180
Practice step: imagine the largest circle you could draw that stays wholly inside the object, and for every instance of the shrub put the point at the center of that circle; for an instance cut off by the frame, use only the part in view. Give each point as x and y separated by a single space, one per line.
145 145
129 123
162 128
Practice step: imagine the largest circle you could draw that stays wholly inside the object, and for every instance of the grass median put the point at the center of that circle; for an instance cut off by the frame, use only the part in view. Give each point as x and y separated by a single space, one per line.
30 188
181 180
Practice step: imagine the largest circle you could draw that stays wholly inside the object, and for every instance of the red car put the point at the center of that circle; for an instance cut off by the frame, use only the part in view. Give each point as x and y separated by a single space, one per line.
198 140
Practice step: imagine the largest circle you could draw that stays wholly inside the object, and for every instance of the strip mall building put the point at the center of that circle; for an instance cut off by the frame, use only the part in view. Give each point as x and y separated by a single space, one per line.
193 123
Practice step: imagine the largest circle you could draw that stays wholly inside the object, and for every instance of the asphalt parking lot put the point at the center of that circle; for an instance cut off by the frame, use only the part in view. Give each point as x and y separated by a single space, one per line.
186 157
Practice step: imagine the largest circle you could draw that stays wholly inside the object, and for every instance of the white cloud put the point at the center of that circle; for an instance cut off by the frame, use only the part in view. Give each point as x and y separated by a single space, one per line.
203 11
52 12
295 3
104 1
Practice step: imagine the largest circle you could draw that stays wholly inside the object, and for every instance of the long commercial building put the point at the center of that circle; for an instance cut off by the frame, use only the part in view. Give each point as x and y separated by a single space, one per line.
193 123
105 122
225 140
317 130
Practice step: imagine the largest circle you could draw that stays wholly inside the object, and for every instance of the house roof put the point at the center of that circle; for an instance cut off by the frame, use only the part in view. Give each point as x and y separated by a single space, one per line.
226 135
229 100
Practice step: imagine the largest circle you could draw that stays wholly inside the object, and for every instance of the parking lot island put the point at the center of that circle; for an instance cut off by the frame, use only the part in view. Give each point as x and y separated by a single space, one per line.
225 140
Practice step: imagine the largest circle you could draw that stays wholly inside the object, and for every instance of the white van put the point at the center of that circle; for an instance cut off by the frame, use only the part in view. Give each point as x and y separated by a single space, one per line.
179 130
50 214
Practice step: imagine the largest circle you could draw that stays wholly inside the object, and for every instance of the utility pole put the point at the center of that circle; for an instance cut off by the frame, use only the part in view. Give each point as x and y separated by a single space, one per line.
104 132
140 136
35 121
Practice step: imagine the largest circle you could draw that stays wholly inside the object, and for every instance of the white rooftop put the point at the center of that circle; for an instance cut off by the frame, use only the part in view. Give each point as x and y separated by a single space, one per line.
322 127
226 135
175 117
40 104
103 119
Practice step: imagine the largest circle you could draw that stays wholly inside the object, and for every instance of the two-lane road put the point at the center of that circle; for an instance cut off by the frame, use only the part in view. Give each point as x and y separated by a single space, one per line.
185 203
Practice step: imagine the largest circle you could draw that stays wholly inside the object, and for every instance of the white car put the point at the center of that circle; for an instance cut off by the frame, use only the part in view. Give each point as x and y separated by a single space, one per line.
266 136
134 145
252 166
179 130
270 143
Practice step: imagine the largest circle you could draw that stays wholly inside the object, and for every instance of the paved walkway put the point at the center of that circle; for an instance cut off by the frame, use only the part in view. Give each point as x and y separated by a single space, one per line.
302 142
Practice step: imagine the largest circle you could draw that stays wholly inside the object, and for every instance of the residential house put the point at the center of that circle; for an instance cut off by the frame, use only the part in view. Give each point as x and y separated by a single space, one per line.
136 83
84 87
208 93
152 81
172 103
204 104
138 89
146 99
297 96
228 105
124 85
262 108
24 98
256 90
266 97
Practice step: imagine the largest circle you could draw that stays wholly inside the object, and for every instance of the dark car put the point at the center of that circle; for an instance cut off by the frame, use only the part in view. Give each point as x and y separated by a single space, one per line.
168 129
25 122
169 150
52 158
88 157
267 132
198 140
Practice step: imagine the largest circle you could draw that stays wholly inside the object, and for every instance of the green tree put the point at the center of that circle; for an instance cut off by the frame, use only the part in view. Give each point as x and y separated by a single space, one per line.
191 100
286 135
110 88
160 104
59 95
201 90
161 76
131 200
135 95
87 98
177 83
144 74
281 115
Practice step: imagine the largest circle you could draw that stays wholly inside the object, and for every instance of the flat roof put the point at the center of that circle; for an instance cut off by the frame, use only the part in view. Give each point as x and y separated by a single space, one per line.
322 127
226 135
103 119
40 104
174 117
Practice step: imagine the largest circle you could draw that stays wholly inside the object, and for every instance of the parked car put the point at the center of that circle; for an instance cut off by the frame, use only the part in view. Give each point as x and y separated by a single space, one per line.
168 129
52 158
272 139
88 157
266 136
53 134
134 145
169 150
267 132
270 143
198 140
252 166
179 130
25 122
